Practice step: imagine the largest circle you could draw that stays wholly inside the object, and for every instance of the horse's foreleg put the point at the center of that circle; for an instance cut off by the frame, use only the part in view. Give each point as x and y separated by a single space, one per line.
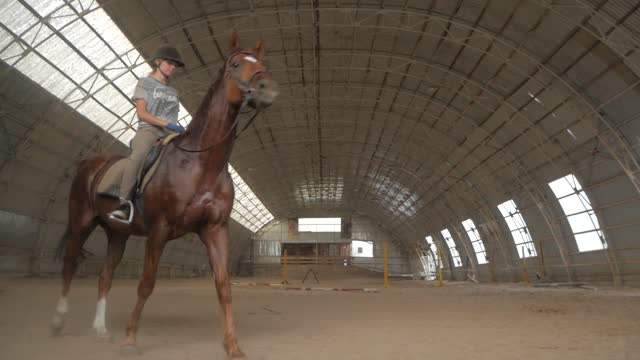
78 231
115 249
216 239
154 247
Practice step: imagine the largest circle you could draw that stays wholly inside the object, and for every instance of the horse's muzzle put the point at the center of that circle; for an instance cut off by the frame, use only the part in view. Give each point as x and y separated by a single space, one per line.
263 93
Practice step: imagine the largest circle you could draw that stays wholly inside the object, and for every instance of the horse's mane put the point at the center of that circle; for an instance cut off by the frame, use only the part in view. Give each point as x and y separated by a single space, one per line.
203 109
204 105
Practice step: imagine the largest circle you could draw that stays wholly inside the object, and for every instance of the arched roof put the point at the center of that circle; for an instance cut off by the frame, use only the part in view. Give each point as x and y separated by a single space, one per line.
416 113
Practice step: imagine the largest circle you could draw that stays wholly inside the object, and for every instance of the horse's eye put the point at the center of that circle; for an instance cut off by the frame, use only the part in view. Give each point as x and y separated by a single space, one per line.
235 64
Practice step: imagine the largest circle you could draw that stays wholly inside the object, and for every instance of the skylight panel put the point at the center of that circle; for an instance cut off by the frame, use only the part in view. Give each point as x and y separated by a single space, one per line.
319 224
565 186
185 117
88 43
252 205
125 81
430 242
12 53
75 51
476 241
434 249
109 31
452 247
519 230
65 59
36 34
329 189
113 100
44 74
580 214
44 8
17 17
5 39
60 62
90 108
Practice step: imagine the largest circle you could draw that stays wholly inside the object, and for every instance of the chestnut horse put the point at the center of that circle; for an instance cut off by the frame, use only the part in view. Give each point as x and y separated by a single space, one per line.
191 192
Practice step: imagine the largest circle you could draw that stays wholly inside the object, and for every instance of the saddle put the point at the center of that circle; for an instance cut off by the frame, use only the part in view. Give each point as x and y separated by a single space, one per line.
110 182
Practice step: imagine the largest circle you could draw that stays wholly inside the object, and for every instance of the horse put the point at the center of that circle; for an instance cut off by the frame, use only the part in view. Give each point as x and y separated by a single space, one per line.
191 192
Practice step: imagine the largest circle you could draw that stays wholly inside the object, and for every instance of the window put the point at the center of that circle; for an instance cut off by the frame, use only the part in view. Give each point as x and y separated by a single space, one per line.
362 248
452 247
319 224
577 207
434 249
476 241
519 231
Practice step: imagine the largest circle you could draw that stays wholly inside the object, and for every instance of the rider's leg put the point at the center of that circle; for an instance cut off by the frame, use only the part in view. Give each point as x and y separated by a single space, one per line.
140 146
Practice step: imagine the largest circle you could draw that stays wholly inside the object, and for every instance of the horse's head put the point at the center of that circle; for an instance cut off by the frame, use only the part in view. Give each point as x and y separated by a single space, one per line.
246 77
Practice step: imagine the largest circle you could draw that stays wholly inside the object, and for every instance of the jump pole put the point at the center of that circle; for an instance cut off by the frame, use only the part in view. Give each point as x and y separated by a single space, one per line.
439 265
386 264
284 269
525 272
540 260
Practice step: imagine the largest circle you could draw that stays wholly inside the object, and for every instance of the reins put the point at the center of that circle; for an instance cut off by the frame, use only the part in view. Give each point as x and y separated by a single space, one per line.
245 86
233 126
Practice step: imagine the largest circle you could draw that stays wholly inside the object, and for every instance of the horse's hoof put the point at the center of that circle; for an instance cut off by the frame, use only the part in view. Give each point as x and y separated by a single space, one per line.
129 350
103 335
57 323
237 355
233 350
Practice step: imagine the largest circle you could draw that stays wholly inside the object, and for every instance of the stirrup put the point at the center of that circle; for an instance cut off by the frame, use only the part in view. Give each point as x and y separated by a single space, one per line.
131 211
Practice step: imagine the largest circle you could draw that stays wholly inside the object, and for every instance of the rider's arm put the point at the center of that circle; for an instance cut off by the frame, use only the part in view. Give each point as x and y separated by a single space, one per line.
144 115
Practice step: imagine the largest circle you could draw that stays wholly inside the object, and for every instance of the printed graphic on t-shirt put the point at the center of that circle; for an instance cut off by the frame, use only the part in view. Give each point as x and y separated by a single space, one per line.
162 94
162 101
166 100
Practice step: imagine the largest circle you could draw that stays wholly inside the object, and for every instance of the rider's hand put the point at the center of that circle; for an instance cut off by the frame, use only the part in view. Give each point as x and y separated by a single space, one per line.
175 128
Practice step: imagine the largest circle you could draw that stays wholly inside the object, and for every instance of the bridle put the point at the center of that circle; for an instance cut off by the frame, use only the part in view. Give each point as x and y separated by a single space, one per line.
245 86
247 90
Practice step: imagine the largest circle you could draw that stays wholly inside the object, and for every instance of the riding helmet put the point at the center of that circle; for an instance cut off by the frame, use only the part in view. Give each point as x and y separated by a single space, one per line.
168 53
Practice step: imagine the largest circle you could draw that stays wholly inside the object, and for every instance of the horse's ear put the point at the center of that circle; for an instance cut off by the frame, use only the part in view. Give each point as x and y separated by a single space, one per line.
234 44
259 49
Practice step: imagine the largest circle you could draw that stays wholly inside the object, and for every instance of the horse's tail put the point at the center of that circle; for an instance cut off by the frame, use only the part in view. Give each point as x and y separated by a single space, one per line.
88 173
62 245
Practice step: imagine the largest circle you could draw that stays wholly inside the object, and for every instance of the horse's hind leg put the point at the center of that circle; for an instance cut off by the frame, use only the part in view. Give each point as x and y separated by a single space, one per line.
79 228
115 249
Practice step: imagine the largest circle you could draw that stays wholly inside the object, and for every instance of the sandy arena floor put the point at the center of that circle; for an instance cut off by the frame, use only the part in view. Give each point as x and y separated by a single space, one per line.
410 320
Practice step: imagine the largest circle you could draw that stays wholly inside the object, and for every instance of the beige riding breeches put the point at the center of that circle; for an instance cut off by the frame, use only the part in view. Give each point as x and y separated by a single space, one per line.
141 143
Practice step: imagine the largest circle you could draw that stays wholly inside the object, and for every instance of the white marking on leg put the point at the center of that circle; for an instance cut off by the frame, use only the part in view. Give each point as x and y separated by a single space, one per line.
57 322
62 306
100 322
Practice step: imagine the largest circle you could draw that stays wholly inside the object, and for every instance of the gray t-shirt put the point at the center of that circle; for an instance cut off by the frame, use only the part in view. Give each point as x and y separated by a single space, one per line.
162 100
